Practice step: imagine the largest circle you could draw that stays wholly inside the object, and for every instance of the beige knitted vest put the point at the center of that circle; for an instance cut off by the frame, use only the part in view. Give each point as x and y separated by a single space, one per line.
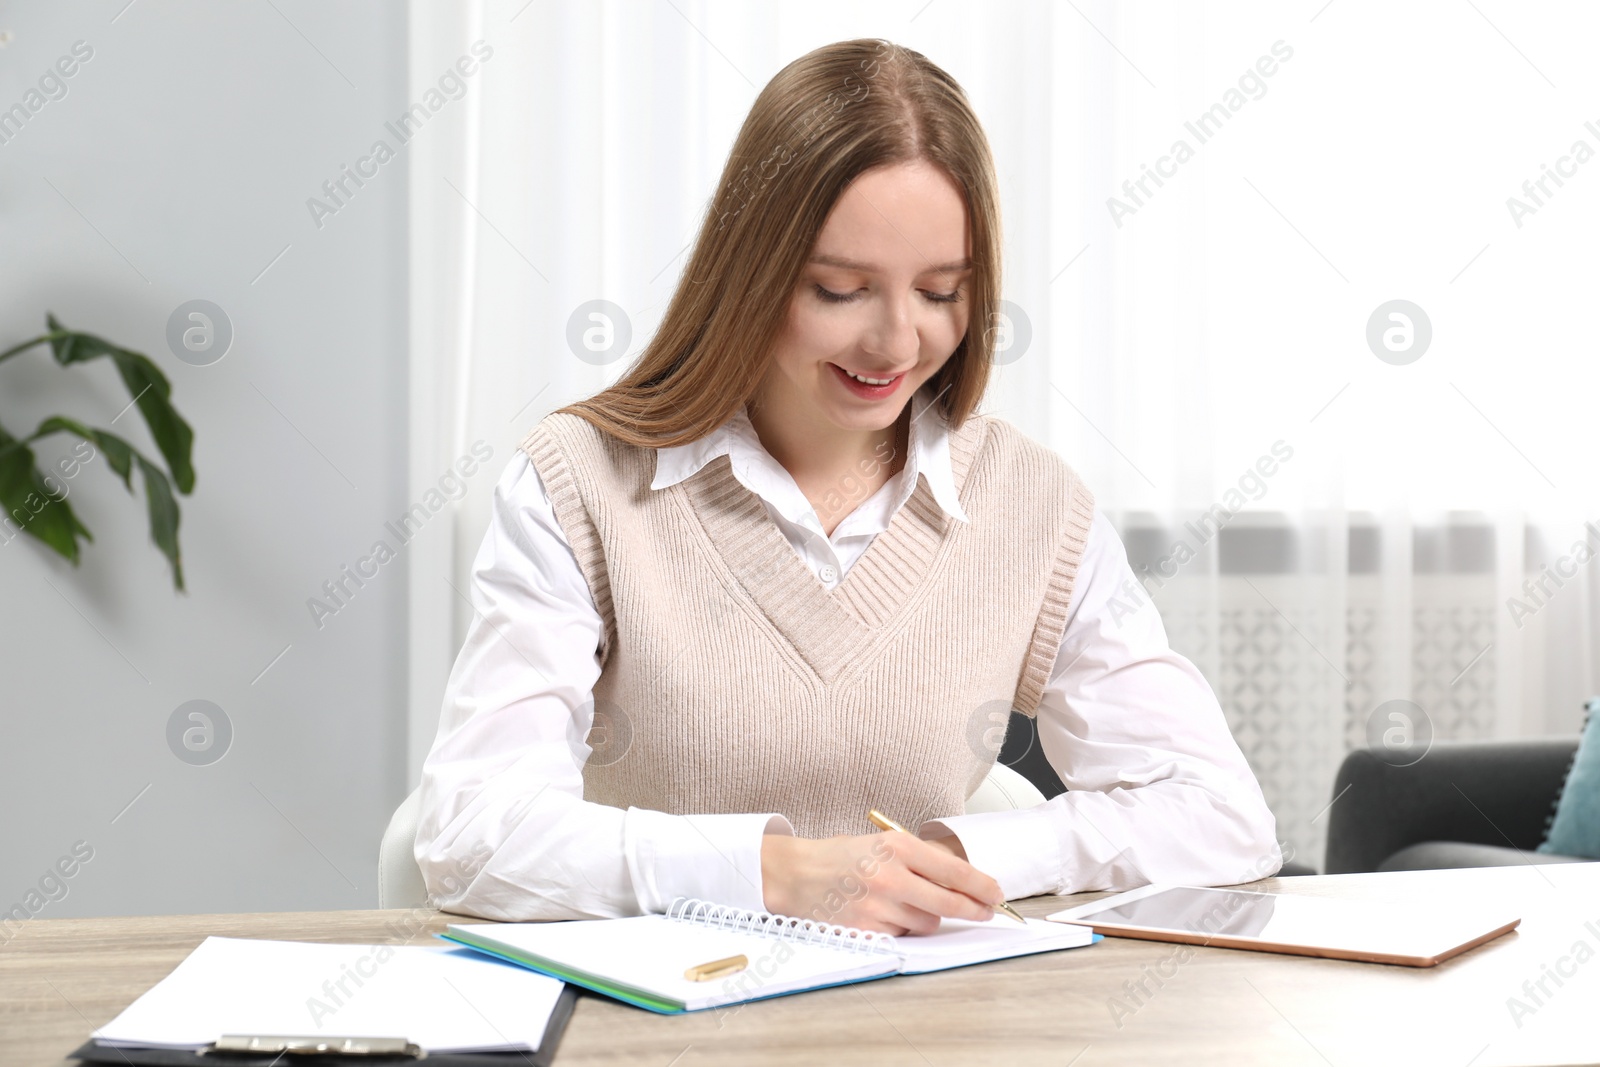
733 680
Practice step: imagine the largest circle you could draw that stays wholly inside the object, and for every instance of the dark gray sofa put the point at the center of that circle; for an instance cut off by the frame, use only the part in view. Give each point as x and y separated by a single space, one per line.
1463 804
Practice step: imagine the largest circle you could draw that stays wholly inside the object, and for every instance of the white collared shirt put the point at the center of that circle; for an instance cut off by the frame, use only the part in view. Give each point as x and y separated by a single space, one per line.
927 454
1157 788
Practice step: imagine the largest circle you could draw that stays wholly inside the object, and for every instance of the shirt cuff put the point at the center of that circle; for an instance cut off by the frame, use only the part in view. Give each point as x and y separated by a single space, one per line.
1018 848
708 857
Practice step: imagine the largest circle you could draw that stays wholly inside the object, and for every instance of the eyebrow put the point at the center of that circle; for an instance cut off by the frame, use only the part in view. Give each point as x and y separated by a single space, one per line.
852 264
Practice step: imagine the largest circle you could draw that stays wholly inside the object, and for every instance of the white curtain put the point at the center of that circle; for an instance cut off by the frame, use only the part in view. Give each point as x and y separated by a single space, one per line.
1337 531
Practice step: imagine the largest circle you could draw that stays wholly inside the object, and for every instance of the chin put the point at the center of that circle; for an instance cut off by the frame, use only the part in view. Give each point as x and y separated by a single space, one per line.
862 421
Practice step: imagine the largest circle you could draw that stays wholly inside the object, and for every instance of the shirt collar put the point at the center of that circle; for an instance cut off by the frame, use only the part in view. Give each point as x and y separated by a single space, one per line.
758 471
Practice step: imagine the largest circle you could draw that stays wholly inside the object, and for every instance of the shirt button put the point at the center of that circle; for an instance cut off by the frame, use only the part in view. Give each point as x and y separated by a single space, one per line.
827 573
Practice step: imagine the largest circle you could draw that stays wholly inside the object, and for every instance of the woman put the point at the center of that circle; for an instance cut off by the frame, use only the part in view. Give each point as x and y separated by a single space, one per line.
782 573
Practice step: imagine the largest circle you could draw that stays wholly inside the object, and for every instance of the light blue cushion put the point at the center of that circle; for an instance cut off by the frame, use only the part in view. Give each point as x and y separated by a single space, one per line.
1575 829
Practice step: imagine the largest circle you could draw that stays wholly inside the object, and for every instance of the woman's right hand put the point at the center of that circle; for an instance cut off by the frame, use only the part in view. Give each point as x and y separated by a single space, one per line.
891 882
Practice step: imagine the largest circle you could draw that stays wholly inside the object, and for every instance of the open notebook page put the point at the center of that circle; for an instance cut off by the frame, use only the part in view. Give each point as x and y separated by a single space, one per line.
443 999
647 954
959 942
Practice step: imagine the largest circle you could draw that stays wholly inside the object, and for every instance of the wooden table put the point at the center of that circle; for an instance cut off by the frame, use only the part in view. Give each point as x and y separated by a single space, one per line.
61 977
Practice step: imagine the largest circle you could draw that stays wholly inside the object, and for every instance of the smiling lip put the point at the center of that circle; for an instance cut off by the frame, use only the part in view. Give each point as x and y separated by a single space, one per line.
862 389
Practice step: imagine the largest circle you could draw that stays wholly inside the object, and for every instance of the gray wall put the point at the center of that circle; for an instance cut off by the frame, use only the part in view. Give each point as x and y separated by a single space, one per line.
176 167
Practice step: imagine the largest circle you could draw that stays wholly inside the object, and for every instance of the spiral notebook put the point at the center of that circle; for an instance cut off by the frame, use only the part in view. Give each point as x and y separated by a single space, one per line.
642 960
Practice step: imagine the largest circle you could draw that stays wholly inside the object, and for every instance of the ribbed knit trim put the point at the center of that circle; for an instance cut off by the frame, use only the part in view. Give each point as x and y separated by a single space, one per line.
1052 623
829 628
544 445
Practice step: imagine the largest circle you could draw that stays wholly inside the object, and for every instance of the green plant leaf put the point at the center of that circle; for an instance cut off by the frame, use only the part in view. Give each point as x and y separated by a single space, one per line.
147 385
31 506
164 514
118 452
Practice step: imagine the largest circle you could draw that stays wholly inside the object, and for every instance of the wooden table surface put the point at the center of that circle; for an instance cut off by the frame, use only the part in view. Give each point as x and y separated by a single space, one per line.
61 977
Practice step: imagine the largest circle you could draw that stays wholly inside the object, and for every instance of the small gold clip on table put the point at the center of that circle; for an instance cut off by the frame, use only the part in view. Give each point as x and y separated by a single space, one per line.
326 1046
704 972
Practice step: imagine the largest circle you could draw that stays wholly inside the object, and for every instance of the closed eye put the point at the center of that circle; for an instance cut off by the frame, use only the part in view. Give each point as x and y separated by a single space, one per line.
832 297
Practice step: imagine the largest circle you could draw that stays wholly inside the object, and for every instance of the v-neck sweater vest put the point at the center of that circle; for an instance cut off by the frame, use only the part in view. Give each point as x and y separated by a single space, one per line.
733 680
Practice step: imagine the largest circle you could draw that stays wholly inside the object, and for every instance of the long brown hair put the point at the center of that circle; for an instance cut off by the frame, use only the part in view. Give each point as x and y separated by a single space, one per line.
819 123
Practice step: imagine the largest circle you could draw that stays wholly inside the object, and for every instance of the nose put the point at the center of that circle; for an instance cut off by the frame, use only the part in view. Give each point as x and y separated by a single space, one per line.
893 336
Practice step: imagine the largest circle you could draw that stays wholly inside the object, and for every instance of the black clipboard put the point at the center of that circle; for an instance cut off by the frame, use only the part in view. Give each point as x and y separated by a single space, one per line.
90 1052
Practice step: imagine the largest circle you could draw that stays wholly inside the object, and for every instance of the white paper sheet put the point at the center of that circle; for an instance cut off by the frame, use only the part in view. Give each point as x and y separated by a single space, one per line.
444 999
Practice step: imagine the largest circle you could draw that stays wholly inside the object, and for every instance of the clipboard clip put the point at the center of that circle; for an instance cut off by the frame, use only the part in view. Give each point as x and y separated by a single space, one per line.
323 1046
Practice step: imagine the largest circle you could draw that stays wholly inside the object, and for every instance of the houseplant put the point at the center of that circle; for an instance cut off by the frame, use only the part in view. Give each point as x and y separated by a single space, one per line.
35 501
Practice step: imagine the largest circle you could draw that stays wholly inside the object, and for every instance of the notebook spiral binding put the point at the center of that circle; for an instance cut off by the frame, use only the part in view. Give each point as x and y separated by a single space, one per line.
781 927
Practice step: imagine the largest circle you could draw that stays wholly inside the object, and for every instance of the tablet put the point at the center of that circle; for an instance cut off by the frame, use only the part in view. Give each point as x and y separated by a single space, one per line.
1370 931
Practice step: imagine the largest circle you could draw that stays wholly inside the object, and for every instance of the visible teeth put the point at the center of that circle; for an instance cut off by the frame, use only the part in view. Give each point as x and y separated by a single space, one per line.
871 381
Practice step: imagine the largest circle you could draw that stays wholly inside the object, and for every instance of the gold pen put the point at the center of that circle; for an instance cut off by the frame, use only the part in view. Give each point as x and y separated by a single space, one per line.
717 968
883 822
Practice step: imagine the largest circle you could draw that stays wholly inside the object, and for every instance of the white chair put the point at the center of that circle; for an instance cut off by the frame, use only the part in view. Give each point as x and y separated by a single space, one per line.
1002 790
400 879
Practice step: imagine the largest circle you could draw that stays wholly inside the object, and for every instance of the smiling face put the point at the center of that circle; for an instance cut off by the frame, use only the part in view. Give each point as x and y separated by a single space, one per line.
883 296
